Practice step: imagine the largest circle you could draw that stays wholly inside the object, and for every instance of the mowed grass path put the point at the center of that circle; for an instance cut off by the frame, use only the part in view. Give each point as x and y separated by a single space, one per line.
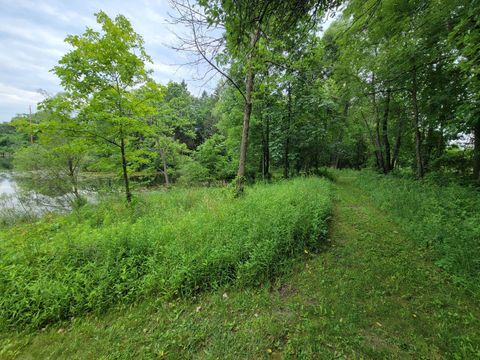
369 294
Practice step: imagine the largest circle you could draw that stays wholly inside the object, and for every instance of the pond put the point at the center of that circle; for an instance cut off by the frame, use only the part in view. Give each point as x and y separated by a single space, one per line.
23 201
22 197
7 184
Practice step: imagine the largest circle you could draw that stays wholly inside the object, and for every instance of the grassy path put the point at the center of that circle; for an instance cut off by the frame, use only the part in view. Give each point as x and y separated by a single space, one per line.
383 299
370 294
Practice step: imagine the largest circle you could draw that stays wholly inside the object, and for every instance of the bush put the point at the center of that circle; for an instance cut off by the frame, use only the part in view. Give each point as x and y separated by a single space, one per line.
446 219
192 173
166 244
454 159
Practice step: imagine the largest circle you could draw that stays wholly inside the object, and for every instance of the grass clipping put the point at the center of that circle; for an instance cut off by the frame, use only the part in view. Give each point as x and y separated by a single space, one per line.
168 244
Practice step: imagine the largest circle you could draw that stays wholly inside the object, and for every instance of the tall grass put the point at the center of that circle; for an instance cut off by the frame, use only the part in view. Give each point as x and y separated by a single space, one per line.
446 219
166 244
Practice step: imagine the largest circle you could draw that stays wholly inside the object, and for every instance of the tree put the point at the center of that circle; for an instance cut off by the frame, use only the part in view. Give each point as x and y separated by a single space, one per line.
399 65
247 27
10 141
465 37
171 123
54 161
99 75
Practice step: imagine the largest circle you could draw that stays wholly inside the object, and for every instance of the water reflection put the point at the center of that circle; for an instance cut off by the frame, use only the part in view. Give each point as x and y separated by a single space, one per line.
17 201
33 194
28 197
7 184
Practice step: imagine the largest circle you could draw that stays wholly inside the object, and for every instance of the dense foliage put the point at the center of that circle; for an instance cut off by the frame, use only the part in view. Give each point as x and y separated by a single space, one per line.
165 244
10 141
389 85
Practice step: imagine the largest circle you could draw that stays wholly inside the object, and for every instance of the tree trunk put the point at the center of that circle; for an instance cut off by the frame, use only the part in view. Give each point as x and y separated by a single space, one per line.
418 135
247 111
266 150
476 150
440 139
378 141
378 145
128 195
429 147
386 143
165 168
336 153
398 142
286 160
73 179
286 149
372 139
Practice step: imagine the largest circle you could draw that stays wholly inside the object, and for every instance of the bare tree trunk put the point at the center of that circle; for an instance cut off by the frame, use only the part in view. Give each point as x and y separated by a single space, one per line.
441 139
286 149
165 168
378 141
378 145
418 135
341 133
266 150
128 195
386 143
73 179
286 160
429 147
247 111
476 150
372 138
398 142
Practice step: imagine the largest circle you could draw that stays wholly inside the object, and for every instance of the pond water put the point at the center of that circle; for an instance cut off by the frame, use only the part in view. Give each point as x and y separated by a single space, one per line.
7 184
22 197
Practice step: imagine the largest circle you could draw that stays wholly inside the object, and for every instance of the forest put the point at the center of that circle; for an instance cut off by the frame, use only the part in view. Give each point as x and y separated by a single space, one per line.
323 201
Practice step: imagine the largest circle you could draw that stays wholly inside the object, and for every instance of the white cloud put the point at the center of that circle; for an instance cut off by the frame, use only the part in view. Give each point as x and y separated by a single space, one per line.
32 41
12 95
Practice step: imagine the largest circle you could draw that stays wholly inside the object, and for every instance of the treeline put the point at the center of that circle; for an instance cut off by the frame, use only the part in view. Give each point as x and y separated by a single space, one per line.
10 141
389 84
411 70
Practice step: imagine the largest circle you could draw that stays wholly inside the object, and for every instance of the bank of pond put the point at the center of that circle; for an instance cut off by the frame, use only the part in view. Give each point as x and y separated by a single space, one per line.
166 244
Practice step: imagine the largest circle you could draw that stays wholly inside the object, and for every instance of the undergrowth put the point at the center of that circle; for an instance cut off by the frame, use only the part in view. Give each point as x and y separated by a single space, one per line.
166 244
445 219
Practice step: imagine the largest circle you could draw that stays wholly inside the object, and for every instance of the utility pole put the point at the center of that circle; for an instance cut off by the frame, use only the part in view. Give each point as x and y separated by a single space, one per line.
30 117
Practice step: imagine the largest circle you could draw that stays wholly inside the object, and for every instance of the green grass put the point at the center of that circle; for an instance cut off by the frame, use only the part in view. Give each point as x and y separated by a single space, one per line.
369 293
166 245
443 219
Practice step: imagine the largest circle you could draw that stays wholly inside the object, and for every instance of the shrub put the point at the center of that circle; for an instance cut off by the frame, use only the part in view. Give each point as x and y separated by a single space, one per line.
166 244
194 173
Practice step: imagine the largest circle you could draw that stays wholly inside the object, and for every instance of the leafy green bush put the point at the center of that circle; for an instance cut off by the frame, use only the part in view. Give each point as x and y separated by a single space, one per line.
445 219
454 159
194 173
166 244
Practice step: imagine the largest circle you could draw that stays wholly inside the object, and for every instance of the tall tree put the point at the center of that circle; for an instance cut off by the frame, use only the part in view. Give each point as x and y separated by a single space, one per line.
99 75
246 28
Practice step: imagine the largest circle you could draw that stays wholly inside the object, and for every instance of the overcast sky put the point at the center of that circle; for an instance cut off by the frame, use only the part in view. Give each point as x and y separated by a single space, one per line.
32 37
31 43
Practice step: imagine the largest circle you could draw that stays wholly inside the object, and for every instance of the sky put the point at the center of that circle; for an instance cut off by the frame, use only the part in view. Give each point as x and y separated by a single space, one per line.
32 37
32 34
